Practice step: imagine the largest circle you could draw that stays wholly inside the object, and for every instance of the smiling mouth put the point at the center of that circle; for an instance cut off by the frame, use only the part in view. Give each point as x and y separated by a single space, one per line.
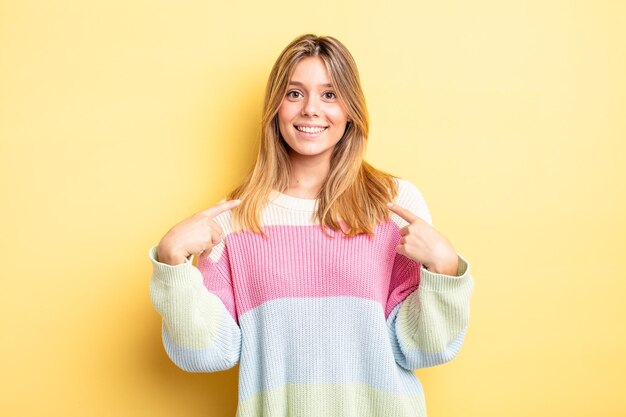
306 129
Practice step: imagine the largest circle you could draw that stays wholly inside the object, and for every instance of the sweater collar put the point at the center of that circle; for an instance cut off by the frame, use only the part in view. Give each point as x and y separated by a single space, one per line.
291 202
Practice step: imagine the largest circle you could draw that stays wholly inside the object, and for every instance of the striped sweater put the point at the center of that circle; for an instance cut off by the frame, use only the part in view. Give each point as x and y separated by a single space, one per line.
320 327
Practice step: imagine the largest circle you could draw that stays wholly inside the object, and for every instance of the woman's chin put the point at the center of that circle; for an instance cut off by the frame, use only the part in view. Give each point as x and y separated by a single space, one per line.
310 152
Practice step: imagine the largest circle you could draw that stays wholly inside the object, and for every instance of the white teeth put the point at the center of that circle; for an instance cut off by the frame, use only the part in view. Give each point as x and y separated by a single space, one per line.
310 129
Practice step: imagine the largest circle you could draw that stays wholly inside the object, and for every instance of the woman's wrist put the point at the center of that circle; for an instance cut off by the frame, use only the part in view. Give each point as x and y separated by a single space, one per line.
167 256
450 268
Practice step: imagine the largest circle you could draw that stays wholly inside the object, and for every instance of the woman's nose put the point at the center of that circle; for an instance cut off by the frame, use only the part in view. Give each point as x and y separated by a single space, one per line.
311 106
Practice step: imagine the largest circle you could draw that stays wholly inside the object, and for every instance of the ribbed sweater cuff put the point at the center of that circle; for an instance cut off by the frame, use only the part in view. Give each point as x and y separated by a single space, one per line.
432 281
171 274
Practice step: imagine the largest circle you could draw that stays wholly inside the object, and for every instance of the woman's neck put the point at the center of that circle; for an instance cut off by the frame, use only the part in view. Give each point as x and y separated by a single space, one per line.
307 176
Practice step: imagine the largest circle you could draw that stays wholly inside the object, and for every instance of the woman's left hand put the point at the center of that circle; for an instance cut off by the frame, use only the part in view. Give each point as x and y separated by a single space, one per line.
422 243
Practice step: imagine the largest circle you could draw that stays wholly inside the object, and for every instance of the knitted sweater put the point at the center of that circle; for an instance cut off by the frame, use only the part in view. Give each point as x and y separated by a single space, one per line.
320 327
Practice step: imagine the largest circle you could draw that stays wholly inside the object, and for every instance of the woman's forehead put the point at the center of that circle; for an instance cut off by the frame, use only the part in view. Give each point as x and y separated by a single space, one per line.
310 71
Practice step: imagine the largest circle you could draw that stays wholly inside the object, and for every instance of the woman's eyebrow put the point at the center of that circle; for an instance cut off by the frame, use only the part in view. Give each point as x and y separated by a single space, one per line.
302 85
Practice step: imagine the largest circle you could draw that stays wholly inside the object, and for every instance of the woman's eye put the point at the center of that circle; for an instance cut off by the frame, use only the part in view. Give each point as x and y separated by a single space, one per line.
291 94
330 95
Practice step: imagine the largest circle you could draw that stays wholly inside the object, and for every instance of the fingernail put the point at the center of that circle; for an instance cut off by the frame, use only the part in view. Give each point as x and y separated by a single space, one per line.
389 204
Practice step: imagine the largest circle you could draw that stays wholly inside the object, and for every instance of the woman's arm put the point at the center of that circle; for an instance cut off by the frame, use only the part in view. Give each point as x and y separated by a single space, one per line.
428 306
199 333
429 326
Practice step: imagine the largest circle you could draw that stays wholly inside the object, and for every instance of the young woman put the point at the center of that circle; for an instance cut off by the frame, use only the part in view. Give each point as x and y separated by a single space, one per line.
327 296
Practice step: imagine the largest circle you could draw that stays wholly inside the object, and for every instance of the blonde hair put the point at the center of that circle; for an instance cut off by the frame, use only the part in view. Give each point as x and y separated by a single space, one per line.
354 191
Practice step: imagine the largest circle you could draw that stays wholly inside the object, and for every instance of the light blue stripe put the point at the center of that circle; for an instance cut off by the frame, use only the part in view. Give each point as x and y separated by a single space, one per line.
411 358
319 340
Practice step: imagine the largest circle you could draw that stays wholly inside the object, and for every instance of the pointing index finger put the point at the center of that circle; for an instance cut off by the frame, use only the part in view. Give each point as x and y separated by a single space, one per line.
402 212
221 207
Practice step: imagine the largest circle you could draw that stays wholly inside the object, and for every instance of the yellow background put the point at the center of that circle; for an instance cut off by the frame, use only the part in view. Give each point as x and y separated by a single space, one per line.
120 118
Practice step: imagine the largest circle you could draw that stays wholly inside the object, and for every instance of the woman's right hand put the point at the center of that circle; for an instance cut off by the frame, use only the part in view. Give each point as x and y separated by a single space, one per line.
197 234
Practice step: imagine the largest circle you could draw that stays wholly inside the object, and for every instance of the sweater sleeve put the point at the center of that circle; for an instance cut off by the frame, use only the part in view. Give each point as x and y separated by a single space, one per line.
428 327
200 333
428 313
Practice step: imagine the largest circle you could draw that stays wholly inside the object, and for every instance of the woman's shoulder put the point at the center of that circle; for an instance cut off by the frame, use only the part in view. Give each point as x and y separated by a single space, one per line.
410 197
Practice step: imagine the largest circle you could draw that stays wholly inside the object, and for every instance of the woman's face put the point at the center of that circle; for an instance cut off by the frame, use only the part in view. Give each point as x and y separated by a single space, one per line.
310 117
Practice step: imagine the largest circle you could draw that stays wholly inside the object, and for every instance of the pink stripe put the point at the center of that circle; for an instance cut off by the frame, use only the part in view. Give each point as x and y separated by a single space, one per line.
299 261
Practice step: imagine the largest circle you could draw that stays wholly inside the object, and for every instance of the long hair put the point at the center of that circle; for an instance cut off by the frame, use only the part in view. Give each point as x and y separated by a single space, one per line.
354 192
